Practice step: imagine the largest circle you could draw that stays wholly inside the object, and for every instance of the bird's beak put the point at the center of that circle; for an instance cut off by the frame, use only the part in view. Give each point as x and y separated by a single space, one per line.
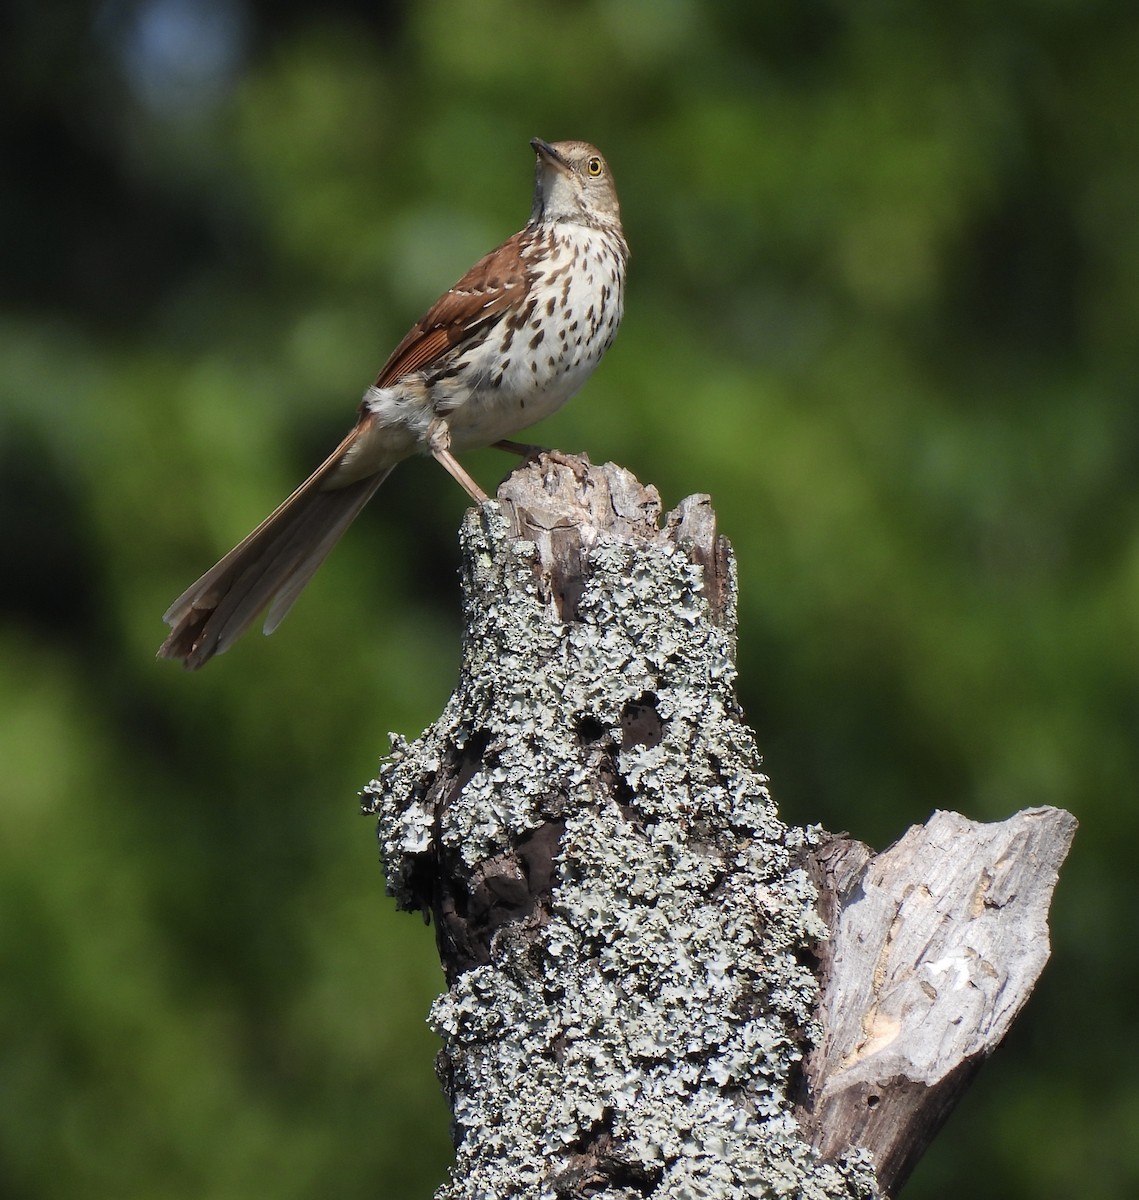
547 153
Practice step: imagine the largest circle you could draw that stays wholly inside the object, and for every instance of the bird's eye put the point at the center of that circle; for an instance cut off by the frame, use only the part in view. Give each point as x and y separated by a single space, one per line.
593 166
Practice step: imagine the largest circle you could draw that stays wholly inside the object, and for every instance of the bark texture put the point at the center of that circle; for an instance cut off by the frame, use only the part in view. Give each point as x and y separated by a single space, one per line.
633 941
934 947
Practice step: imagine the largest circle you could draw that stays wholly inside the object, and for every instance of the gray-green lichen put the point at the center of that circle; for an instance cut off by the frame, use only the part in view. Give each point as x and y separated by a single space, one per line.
640 1031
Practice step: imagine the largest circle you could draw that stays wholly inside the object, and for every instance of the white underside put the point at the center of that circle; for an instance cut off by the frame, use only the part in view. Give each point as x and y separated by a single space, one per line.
498 393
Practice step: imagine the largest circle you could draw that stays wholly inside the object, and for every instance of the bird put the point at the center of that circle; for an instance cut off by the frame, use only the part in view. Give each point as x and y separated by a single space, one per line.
505 347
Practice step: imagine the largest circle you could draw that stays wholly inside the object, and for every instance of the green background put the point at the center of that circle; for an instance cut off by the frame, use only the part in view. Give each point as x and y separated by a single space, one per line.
882 306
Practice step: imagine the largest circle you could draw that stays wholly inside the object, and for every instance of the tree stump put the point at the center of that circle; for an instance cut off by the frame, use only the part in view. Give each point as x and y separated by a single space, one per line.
655 986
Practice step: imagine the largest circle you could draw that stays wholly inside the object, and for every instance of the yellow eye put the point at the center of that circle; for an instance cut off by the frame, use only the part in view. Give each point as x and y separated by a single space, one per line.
593 166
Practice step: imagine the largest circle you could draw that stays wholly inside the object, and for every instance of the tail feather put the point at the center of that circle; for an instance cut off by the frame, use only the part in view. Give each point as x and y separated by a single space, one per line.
315 544
272 565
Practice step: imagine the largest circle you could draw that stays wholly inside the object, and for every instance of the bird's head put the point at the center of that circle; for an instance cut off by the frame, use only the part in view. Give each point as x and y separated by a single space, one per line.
573 183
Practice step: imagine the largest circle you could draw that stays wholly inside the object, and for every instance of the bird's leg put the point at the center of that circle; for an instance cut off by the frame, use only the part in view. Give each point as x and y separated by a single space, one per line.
577 463
439 443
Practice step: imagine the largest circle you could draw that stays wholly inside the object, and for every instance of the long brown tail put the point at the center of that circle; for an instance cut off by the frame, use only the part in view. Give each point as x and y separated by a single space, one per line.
272 564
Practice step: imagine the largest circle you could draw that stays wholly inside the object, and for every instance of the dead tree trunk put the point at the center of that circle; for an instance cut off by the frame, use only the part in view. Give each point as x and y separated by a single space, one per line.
656 987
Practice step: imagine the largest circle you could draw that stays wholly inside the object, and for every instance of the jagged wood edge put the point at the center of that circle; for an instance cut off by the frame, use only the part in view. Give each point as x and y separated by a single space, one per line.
935 946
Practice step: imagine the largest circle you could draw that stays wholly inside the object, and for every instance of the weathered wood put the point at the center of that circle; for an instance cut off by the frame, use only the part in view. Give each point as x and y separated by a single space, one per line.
631 937
935 945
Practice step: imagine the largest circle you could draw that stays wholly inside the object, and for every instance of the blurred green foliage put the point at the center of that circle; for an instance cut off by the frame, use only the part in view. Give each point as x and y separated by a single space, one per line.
883 306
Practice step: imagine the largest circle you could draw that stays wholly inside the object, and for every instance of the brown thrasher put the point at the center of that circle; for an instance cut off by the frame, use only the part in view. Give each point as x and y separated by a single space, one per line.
506 346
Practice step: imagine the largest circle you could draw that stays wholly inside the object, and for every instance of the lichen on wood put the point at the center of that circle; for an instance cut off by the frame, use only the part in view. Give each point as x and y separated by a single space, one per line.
632 939
619 909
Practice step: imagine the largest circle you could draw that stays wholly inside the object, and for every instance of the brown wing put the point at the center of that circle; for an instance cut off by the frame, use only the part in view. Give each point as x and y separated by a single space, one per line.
278 558
494 284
